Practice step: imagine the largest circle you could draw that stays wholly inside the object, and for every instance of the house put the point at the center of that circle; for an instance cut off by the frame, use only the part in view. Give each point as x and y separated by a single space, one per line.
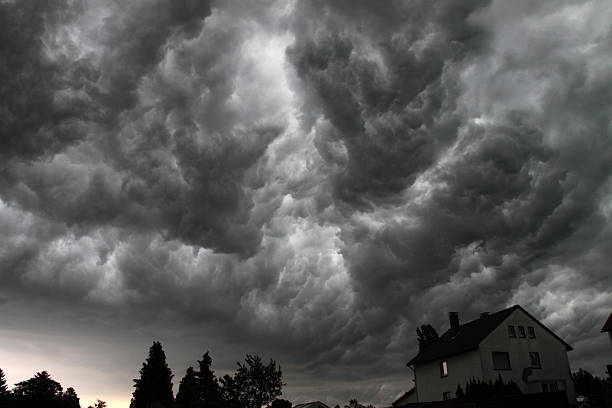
510 343
405 398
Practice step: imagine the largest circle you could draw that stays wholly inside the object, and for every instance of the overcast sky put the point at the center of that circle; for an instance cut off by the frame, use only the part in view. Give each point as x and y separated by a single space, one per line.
304 180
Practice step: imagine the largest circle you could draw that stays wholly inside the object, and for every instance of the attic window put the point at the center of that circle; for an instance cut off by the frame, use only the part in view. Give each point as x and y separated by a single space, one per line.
531 332
501 360
521 331
511 331
443 368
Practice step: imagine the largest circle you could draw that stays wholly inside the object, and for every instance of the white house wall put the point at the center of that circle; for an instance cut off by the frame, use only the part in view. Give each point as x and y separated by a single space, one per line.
553 356
431 386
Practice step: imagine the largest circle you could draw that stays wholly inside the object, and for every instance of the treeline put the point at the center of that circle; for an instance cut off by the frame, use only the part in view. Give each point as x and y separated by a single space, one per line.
39 391
254 384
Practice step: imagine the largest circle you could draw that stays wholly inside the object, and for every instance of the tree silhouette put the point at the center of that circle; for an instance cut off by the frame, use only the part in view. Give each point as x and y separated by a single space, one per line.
208 385
426 335
41 387
459 393
585 383
3 388
155 383
254 383
99 404
70 399
188 395
281 403
229 391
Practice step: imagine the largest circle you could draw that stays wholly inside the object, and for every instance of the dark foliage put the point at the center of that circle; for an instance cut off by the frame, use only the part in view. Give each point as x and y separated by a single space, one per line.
426 335
253 385
98 404
155 383
209 391
281 403
478 388
355 404
459 393
40 391
4 392
188 395
588 384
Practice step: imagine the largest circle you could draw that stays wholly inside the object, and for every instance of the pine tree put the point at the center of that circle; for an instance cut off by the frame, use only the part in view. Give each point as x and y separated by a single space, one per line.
208 383
3 388
189 390
155 382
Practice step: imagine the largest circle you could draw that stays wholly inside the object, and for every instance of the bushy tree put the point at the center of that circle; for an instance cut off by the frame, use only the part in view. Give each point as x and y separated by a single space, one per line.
587 384
426 335
281 403
155 383
230 392
40 388
254 384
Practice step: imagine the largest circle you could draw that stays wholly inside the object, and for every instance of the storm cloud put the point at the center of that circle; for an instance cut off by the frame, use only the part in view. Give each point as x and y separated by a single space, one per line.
305 180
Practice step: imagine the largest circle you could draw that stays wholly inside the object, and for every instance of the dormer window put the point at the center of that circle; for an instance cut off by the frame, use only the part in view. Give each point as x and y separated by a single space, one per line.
521 331
511 331
531 332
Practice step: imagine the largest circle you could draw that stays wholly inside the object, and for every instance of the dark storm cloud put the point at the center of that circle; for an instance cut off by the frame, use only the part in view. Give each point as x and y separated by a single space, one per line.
309 181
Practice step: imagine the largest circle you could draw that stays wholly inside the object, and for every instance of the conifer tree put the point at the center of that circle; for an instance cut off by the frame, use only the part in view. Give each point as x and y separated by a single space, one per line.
189 390
155 383
3 388
208 384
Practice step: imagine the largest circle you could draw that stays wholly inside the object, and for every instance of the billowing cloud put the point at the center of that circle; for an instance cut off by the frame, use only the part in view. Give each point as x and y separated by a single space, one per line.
307 180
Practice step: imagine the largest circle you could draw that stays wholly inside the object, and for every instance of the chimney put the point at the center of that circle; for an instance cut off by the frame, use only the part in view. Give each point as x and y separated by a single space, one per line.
484 314
453 317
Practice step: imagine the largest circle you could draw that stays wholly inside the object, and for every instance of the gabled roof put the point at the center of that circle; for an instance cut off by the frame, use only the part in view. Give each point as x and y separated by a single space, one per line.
470 335
607 327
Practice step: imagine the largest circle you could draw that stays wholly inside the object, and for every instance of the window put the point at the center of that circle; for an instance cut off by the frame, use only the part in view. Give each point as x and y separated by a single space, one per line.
511 331
553 387
534 359
531 332
443 368
501 361
446 395
521 331
544 387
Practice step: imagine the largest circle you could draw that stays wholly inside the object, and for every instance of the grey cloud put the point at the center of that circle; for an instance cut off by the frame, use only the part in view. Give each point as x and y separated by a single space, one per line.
313 203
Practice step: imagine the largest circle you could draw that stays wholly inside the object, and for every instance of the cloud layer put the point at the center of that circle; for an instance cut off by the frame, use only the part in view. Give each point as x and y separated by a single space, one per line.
307 180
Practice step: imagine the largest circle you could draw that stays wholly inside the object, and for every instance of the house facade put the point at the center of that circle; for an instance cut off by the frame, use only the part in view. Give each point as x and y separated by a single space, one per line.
510 344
